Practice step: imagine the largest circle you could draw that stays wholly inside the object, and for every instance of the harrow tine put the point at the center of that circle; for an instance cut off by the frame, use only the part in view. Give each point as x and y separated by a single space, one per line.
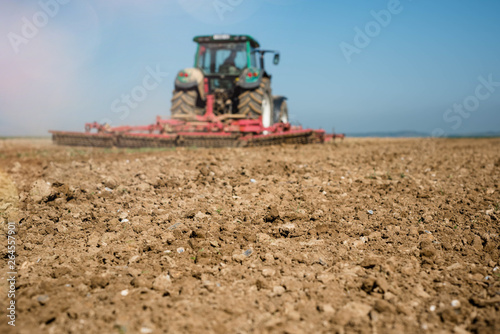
206 140
84 139
294 137
141 140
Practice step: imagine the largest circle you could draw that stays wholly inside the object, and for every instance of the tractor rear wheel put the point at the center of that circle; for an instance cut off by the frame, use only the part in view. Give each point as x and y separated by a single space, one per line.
258 102
185 103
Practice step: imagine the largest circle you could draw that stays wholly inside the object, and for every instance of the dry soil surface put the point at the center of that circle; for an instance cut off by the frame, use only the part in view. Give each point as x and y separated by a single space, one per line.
361 236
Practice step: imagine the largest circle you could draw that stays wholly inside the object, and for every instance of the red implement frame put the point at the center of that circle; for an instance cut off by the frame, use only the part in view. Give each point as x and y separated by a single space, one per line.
200 130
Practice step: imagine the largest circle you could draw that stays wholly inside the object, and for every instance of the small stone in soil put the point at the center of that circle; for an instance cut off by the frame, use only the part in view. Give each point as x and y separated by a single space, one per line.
43 299
268 272
172 227
278 290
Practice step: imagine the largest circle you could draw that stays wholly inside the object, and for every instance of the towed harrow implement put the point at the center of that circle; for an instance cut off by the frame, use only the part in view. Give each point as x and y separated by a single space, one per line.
200 131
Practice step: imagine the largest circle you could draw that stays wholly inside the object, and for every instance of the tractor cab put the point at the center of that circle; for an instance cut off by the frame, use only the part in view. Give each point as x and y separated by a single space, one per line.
225 54
224 58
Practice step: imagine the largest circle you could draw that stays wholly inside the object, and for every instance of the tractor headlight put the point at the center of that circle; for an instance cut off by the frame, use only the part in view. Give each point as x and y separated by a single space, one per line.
251 74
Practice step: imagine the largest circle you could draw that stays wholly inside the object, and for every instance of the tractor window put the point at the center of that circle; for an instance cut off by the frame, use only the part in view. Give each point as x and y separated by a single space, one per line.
222 58
204 59
253 58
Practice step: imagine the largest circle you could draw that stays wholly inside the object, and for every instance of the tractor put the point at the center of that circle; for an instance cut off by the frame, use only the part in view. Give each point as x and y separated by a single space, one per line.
225 100
231 69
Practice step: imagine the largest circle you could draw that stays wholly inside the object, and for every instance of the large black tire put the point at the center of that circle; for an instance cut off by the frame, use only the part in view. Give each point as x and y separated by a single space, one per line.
251 101
185 103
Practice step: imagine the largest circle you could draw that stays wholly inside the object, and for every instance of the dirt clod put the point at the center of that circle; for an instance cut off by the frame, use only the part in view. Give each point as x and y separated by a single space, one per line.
272 214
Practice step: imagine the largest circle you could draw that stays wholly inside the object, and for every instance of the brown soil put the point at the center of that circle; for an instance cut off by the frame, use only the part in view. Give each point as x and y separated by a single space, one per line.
362 236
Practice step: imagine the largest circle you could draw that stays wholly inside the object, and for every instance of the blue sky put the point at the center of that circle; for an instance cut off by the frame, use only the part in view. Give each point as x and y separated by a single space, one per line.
407 73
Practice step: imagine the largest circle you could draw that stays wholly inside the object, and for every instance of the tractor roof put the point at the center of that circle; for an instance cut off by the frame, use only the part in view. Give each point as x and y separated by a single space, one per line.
226 38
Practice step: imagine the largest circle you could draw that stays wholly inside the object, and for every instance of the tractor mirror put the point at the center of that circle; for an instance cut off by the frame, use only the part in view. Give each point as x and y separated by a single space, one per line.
276 58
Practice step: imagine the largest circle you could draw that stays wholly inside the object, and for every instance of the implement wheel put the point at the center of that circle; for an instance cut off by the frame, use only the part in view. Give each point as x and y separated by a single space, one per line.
280 110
